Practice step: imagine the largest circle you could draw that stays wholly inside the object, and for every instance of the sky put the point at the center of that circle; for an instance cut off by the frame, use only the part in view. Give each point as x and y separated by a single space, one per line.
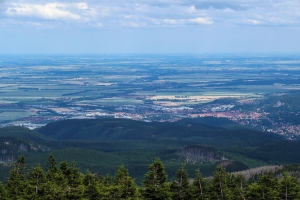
149 26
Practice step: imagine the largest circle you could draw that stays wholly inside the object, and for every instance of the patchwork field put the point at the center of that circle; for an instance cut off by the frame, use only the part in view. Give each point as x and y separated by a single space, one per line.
62 87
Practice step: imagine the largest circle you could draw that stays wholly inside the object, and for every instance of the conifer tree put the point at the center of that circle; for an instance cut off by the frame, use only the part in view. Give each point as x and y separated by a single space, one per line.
51 165
180 185
57 184
3 192
220 189
266 187
239 187
288 187
36 182
74 179
107 180
124 184
57 187
199 188
93 188
16 183
155 185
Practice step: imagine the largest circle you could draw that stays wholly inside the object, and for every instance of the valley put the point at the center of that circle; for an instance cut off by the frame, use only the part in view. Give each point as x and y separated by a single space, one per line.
39 89
102 111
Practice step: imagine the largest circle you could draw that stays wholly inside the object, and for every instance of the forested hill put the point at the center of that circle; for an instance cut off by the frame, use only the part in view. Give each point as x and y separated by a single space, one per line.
102 145
21 132
213 131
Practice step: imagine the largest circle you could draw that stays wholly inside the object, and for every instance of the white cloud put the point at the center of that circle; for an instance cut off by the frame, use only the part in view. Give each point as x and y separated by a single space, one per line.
82 6
155 13
171 21
192 9
202 20
49 11
253 21
99 25
198 20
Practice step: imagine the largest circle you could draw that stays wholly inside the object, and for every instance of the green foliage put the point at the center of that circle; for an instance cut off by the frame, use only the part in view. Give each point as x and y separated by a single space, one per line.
21 132
73 180
220 185
180 185
288 187
16 184
124 184
273 153
200 130
36 180
199 188
265 188
155 185
66 182
93 187
51 165
238 186
56 185
136 144
3 192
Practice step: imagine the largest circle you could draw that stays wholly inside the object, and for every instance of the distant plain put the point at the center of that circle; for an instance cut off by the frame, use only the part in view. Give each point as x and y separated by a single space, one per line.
63 81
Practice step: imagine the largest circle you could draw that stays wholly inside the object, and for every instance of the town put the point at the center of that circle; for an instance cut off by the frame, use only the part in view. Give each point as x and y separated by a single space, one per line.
250 90
256 119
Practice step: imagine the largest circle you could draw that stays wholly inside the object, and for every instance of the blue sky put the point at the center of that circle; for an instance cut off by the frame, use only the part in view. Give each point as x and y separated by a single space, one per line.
149 26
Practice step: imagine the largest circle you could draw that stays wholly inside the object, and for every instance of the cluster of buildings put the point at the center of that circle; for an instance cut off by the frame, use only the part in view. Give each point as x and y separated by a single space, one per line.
257 118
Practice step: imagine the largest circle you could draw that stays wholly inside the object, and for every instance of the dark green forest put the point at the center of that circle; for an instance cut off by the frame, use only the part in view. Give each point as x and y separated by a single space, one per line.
65 181
99 147
102 145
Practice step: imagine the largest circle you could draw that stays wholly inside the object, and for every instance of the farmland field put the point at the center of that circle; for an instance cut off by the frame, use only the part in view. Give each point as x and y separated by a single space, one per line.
146 87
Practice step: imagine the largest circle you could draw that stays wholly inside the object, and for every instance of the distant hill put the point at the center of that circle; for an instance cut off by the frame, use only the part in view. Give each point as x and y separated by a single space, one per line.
211 131
21 132
15 141
102 145
224 135
213 121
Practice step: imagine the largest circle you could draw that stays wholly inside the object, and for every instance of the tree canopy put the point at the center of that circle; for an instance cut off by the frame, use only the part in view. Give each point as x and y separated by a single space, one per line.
65 181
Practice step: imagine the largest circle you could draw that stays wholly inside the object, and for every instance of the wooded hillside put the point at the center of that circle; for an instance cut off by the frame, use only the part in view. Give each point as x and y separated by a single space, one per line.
65 181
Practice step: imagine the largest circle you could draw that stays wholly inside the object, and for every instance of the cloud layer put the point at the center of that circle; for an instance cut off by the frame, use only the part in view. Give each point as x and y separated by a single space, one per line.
149 26
152 13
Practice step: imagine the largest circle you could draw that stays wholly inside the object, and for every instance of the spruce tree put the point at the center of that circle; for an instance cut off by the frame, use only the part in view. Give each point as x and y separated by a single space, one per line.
51 165
155 185
93 188
3 192
16 183
36 182
180 185
239 187
220 188
199 188
57 184
74 179
266 187
124 184
288 187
